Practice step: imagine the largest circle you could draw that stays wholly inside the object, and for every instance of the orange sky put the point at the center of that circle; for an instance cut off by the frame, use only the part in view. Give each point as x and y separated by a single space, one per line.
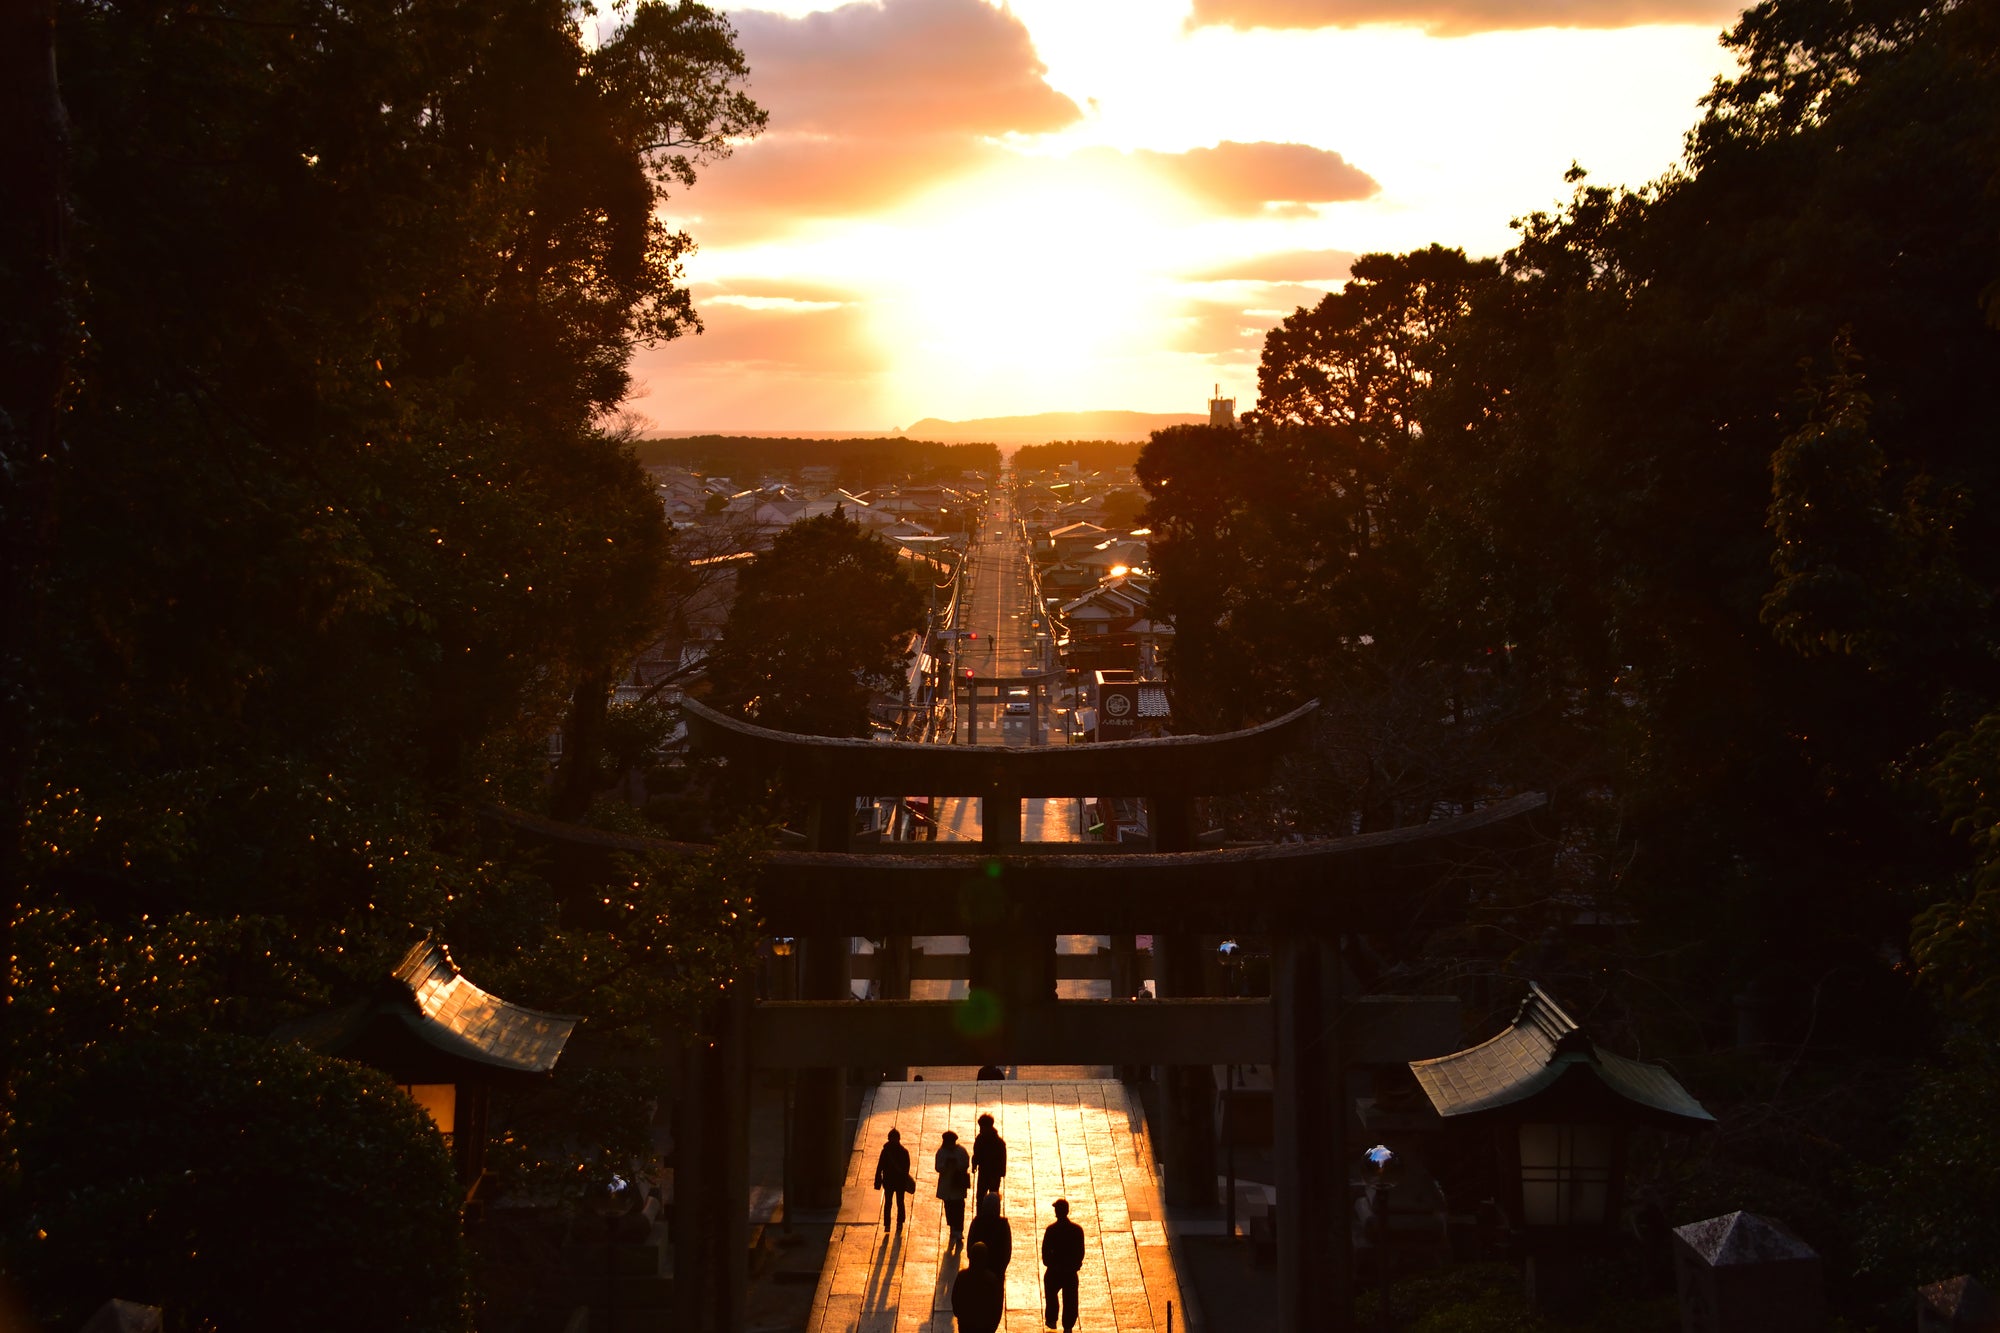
964 209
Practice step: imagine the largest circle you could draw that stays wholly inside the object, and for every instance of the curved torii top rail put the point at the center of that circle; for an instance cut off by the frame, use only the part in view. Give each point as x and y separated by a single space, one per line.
1165 766
1367 882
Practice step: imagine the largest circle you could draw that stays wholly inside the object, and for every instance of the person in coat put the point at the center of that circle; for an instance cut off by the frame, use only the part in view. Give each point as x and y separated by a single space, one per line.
989 1156
993 1231
978 1300
1062 1256
954 1177
892 1177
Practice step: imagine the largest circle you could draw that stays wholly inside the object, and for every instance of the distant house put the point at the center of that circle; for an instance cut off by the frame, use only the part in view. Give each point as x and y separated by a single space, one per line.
1074 539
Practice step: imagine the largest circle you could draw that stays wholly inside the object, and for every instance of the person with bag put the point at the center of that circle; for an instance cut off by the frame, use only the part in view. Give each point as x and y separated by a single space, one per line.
954 1177
892 1177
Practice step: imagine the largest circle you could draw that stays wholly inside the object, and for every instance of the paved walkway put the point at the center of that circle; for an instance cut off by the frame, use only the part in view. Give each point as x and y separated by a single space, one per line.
1083 1140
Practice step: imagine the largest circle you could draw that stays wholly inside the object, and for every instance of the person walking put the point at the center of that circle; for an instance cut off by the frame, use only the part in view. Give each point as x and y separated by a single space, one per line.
1062 1256
993 1231
978 1300
989 1156
954 1181
892 1177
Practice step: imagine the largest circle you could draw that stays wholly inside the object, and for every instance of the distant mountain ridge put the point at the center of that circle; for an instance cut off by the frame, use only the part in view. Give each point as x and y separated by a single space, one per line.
1045 426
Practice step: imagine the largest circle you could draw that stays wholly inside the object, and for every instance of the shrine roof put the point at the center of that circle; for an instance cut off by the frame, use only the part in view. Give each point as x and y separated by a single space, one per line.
1743 1238
1544 1050
426 1001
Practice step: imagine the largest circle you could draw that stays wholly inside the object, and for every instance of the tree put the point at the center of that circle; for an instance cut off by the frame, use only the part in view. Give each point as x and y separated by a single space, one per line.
333 518
238 1185
820 624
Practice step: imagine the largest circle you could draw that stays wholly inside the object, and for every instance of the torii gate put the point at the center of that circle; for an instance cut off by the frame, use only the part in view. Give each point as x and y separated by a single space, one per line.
1010 899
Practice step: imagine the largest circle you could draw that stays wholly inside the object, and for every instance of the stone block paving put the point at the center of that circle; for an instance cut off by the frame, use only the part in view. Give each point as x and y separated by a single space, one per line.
1083 1140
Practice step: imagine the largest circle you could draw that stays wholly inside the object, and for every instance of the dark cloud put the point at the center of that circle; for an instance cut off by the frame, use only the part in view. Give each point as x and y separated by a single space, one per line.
1453 18
928 67
1283 266
1245 177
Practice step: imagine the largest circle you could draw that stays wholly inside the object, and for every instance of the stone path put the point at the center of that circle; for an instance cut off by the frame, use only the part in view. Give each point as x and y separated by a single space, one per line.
1084 1141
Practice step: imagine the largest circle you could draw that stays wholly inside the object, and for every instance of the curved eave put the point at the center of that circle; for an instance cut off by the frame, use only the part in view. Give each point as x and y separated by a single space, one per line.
1161 766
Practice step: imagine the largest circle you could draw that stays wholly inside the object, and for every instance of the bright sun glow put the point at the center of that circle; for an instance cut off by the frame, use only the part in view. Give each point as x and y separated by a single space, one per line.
980 302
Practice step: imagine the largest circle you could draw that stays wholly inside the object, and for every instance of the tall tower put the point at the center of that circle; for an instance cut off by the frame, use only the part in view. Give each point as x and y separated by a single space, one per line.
1222 411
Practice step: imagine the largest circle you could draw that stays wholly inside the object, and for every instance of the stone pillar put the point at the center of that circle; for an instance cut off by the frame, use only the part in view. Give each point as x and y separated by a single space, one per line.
1124 967
819 1103
711 1226
892 979
1000 819
1187 1092
1315 1291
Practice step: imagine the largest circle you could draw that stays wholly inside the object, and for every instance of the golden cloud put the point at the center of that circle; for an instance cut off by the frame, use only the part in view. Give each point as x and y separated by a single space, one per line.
1249 177
901 67
1283 266
1456 18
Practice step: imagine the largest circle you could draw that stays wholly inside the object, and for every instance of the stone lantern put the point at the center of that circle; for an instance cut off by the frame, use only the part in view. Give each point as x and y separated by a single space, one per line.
1558 1107
446 1042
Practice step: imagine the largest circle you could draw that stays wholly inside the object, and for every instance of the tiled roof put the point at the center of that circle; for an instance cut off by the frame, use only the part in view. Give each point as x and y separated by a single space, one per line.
461 1019
1541 1049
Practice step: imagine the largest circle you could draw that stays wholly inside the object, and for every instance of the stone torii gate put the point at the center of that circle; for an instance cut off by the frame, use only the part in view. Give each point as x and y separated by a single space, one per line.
1010 900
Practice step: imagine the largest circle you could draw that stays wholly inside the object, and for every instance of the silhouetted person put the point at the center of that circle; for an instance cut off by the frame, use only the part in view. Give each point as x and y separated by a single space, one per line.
954 1177
993 1231
989 1156
1062 1256
990 1074
978 1300
892 1176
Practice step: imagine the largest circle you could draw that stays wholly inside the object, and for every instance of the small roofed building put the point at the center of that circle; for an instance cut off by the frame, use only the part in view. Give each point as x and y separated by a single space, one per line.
445 1041
1557 1108
1746 1273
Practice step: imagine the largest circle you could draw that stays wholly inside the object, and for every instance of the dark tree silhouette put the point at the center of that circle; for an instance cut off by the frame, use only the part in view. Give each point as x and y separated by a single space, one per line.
820 624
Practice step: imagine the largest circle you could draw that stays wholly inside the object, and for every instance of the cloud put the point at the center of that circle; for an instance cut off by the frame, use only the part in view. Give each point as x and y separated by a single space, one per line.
780 179
774 333
871 103
1283 266
1232 332
1246 177
1455 18
900 67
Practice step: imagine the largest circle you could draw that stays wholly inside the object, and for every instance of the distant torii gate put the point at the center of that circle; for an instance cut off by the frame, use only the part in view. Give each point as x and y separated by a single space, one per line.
975 687
1010 899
